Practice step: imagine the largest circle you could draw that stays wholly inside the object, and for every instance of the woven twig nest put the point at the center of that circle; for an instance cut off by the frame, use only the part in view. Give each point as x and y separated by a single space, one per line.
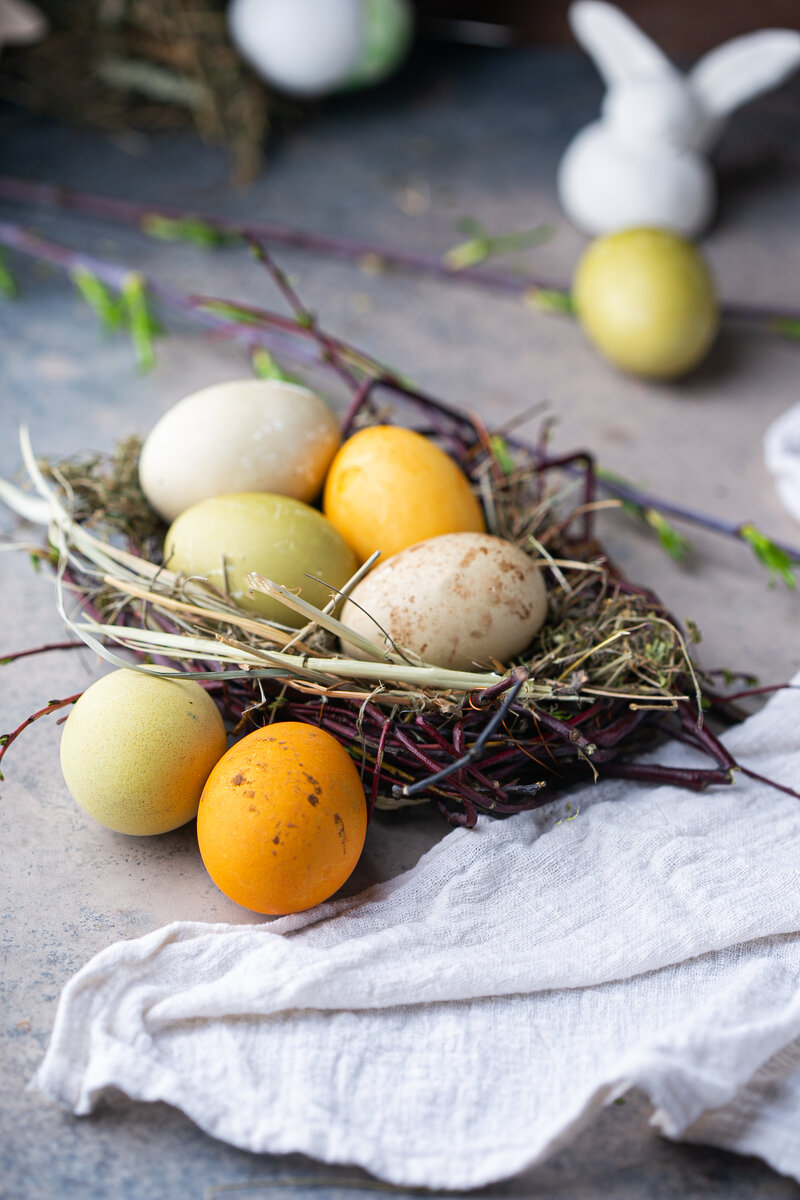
144 65
609 670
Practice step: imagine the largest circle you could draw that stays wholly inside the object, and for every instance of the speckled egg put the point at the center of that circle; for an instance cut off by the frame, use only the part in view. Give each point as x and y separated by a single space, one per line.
137 749
249 435
457 600
225 538
282 819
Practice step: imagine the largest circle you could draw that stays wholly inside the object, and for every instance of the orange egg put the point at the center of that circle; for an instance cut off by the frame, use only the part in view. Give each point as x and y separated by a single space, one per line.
388 488
282 819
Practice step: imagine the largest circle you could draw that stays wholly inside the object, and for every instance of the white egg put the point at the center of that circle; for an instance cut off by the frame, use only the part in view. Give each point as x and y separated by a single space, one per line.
459 600
249 435
313 47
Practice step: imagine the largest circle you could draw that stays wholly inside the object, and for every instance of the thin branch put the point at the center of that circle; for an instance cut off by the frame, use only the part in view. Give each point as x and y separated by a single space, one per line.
271 327
17 654
7 739
145 218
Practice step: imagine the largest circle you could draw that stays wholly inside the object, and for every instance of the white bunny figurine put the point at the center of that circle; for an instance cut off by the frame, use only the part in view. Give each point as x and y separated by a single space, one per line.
313 47
643 162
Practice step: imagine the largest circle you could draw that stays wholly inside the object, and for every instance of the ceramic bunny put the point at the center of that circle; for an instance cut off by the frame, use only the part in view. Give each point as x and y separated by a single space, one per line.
643 162
313 47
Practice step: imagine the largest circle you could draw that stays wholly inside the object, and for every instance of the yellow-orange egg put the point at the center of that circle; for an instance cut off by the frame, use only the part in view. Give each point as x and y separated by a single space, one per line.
389 487
282 819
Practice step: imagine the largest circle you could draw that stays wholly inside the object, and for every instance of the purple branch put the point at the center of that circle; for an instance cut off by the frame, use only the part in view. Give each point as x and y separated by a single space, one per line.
275 330
127 212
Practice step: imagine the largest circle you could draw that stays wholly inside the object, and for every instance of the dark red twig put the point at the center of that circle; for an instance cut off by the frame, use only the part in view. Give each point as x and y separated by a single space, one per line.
7 739
46 649
127 212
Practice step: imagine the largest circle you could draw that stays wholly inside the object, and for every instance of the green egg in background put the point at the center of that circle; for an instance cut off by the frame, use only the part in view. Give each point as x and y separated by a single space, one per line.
646 300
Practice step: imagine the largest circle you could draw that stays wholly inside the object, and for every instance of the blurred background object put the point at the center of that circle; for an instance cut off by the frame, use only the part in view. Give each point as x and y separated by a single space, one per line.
315 47
681 27
161 65
20 22
149 65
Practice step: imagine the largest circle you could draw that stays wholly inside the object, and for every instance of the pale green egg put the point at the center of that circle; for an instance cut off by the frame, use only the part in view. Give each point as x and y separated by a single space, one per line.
225 538
137 749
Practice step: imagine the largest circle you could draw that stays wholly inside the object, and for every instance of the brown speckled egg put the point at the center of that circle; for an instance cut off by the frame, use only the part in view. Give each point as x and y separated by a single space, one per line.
282 819
458 601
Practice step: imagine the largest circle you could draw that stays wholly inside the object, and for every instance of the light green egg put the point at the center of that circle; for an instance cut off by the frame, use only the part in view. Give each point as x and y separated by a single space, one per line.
137 749
225 538
388 33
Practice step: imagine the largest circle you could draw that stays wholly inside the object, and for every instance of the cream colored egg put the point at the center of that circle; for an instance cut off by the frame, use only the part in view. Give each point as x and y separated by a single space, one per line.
457 600
137 749
225 538
249 435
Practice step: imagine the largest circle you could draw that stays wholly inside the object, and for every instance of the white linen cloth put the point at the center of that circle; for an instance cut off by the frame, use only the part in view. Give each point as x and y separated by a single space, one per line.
457 1024
782 457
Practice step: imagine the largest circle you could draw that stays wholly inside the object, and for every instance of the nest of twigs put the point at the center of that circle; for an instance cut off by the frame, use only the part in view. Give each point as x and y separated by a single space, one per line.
144 65
608 673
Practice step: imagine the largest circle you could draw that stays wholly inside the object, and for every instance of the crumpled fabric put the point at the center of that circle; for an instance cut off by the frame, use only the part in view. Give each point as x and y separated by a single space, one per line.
457 1024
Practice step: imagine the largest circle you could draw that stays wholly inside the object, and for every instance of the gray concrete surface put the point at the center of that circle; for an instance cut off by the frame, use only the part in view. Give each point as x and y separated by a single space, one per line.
478 135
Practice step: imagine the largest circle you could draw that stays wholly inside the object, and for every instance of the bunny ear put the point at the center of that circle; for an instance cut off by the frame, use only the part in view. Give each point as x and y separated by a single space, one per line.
619 48
744 67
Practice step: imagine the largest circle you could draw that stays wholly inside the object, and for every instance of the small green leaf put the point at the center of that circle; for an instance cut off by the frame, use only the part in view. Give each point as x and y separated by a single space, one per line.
502 454
143 326
788 327
776 561
628 506
107 307
8 284
231 312
265 367
693 629
186 229
467 254
671 539
550 300
480 245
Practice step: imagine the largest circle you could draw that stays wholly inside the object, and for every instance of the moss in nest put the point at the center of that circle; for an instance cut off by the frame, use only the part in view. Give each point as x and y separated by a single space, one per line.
104 494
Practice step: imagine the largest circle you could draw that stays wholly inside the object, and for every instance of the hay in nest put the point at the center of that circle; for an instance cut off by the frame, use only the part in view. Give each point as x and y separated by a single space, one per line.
609 671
